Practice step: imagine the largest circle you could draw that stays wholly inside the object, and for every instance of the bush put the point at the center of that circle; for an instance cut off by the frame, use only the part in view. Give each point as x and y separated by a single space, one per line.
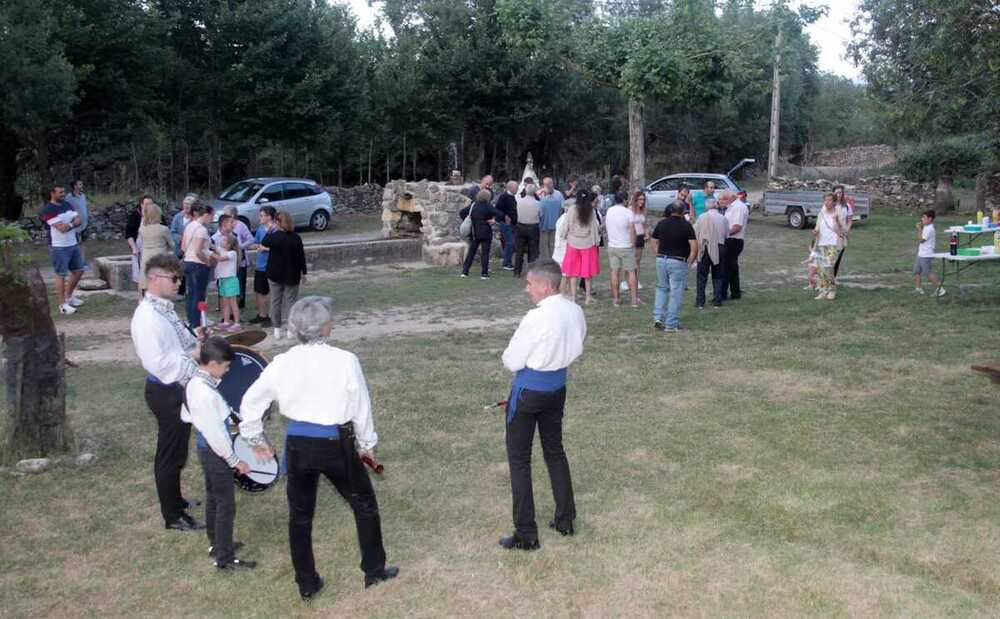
955 156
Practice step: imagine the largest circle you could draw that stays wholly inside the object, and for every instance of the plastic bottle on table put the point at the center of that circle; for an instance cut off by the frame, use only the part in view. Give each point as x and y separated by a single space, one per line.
979 217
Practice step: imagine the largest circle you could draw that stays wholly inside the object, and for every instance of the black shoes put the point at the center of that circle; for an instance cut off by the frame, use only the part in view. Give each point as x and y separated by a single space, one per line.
516 541
236 546
185 523
189 503
236 564
309 594
265 322
564 529
658 325
386 573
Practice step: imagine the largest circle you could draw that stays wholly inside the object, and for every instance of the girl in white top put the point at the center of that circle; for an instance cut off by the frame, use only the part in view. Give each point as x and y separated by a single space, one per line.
831 236
638 207
227 256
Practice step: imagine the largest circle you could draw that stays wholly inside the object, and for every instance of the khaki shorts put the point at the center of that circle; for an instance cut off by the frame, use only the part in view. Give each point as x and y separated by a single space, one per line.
621 258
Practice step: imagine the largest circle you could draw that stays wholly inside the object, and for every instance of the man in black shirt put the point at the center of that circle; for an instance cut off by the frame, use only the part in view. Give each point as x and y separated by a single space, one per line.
676 249
507 204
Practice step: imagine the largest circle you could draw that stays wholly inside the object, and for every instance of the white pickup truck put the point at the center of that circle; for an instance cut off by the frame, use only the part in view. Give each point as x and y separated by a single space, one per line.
801 207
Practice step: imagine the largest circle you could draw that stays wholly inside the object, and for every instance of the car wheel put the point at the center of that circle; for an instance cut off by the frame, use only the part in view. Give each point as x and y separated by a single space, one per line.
796 218
319 221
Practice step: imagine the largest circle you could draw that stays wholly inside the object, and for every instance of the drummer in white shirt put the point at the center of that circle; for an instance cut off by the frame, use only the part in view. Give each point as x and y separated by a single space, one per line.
549 338
322 391
167 351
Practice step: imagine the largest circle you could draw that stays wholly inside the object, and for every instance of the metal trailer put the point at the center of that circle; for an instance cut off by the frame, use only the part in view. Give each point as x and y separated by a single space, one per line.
801 207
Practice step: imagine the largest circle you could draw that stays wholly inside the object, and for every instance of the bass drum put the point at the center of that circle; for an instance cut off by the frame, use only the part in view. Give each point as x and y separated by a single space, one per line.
246 367
261 476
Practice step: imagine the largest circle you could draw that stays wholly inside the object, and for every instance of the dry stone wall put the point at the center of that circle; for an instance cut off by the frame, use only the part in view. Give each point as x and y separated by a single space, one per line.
886 191
428 210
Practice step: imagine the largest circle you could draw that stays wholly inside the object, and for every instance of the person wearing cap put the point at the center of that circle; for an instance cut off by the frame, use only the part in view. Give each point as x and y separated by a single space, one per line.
737 216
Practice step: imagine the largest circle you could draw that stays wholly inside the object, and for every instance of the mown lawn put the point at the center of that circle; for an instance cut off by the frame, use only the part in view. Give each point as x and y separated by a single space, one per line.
783 457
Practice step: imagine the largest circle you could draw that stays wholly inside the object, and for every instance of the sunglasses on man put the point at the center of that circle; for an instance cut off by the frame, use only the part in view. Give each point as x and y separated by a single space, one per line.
173 278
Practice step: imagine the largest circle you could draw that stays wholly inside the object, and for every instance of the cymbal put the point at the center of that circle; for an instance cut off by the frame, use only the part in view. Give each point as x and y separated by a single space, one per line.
246 338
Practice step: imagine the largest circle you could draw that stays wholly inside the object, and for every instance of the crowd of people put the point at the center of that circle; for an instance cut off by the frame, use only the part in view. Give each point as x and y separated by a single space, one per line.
702 230
279 270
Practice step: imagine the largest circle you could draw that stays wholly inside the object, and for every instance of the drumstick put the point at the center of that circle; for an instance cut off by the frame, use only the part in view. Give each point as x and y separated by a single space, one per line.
495 405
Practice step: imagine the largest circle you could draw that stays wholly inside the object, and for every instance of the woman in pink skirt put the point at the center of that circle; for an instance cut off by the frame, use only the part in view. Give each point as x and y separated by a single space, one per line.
582 235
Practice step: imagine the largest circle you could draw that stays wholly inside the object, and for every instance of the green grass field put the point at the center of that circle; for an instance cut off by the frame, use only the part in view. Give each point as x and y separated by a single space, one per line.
782 457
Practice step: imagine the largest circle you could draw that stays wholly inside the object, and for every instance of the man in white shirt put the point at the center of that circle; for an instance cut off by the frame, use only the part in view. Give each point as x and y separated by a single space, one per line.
620 224
549 338
322 392
167 351
737 217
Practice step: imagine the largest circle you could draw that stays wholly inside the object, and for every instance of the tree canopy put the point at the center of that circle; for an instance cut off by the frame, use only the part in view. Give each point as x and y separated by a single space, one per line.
171 95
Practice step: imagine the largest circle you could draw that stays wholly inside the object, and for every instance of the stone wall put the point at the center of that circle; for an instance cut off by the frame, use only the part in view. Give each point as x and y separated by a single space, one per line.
434 207
106 223
886 191
360 200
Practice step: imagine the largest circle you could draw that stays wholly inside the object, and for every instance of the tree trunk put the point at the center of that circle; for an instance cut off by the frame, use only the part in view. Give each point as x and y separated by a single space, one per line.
35 368
10 202
981 187
636 147
371 148
944 199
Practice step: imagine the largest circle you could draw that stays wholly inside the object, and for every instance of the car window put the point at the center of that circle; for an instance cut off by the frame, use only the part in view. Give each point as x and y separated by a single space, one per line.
297 190
666 184
240 192
272 193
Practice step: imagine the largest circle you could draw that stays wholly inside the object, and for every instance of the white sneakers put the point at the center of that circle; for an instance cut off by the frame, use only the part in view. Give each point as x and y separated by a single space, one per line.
277 333
75 301
940 291
67 309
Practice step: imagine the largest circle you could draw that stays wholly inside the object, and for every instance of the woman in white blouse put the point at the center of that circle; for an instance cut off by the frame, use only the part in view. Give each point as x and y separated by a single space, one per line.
831 236
198 260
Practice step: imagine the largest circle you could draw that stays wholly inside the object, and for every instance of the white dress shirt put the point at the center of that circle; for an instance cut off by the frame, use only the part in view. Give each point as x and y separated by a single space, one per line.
316 383
550 337
162 342
208 411
737 214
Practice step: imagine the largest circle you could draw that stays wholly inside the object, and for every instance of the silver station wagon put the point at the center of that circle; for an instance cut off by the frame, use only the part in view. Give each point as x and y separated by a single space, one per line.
662 192
305 200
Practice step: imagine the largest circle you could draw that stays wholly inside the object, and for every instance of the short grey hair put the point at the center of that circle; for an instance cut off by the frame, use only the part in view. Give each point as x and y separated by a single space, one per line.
547 270
189 199
230 210
308 317
530 189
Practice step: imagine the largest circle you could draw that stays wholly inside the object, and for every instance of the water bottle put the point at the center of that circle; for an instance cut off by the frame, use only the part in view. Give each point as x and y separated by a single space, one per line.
979 217
953 244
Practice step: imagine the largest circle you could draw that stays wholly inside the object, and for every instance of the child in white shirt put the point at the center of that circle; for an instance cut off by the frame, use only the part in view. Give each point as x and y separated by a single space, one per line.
923 265
209 412
227 254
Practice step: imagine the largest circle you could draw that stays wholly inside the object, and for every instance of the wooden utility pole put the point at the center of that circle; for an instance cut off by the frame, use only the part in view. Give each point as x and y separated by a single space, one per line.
772 151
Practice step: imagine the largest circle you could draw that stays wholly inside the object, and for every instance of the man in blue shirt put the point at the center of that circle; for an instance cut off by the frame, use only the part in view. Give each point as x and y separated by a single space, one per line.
260 286
550 208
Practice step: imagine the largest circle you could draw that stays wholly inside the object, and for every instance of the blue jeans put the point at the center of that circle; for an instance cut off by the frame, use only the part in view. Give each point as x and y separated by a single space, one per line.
671 277
196 277
507 233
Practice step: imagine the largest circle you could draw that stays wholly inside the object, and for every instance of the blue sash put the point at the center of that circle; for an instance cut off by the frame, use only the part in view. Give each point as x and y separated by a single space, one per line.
152 379
312 430
536 381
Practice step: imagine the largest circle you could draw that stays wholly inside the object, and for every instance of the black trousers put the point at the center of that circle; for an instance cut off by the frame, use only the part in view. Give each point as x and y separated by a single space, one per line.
220 504
718 277
241 275
731 287
544 409
525 242
335 459
836 265
484 246
172 438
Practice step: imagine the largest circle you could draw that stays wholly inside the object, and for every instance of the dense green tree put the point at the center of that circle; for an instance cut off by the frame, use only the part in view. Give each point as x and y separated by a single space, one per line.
39 90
